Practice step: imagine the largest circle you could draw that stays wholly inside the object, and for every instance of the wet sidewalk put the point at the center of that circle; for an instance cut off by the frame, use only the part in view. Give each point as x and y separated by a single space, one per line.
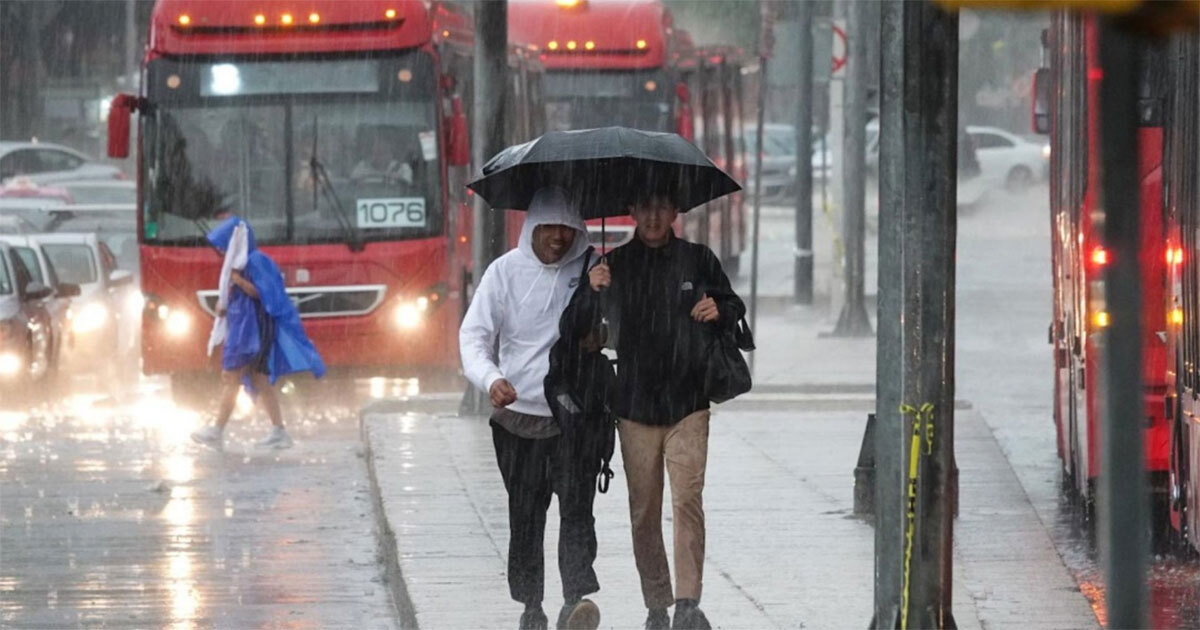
784 550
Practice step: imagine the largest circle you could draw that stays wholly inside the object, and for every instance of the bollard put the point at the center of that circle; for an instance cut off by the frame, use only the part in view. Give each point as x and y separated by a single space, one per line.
864 472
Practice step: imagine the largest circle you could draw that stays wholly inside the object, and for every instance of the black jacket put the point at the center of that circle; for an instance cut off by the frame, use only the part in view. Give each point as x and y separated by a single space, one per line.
661 350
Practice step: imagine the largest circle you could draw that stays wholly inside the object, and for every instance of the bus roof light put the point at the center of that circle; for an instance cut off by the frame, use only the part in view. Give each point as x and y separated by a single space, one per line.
314 18
286 19
390 14
1176 316
571 45
260 19
567 4
185 19
1100 319
1100 256
590 45
641 44
553 45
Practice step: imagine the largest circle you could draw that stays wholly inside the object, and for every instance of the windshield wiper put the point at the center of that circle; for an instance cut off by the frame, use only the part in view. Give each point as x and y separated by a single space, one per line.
322 184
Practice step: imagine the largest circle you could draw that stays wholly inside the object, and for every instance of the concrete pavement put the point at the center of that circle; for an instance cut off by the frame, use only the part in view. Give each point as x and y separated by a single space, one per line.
783 549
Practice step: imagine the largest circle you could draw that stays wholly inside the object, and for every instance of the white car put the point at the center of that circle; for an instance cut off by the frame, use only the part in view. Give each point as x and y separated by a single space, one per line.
58 304
44 163
1006 161
102 326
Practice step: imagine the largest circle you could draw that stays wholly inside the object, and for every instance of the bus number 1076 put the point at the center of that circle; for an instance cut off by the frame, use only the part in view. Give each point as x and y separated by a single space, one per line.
391 212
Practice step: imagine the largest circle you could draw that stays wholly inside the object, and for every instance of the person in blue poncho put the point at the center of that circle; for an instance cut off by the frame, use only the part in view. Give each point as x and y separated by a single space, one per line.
260 331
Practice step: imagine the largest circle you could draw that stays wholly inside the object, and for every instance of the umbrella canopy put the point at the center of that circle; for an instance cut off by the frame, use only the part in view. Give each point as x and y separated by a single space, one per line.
607 169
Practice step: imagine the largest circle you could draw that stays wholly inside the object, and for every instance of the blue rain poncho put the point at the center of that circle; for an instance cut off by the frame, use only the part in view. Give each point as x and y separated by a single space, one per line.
290 348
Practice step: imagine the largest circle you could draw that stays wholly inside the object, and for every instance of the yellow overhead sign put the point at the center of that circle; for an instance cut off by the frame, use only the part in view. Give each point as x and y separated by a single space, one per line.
1151 17
1104 6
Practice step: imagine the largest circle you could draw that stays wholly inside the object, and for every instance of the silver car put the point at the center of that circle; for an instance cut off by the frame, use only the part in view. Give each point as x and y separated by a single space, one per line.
44 163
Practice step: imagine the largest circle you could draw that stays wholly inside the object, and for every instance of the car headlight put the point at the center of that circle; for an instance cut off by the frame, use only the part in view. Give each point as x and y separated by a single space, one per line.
10 363
410 314
93 316
1046 151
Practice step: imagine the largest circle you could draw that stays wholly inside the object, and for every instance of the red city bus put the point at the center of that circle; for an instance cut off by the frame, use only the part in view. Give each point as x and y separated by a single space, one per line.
1066 106
1181 196
623 62
338 129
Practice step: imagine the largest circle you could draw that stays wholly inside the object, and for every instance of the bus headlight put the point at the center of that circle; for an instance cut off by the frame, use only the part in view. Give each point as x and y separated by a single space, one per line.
10 364
93 316
410 314
178 323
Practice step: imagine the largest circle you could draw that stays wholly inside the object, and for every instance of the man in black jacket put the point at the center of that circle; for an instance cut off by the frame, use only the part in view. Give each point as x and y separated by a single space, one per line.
664 299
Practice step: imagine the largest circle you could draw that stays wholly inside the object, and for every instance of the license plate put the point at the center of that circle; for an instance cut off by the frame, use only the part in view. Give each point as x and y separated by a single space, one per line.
393 212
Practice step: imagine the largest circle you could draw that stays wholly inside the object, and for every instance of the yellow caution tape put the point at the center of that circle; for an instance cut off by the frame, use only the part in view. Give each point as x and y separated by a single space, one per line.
921 416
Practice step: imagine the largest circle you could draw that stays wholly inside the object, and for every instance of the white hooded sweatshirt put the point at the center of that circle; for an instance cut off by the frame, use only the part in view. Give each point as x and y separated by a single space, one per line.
519 301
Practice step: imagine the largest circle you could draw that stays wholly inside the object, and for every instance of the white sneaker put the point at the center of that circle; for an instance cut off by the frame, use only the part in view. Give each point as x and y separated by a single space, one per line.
277 438
209 436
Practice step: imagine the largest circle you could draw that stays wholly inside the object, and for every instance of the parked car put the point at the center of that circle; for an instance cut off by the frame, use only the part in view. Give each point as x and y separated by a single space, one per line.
100 191
44 163
779 159
26 351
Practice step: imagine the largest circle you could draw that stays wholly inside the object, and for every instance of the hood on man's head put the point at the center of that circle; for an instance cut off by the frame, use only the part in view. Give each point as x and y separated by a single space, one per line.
220 235
553 206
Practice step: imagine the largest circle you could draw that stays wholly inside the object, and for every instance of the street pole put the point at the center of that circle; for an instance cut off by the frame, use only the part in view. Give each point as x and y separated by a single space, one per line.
889 428
130 69
487 139
1124 502
764 52
853 320
803 266
491 83
919 116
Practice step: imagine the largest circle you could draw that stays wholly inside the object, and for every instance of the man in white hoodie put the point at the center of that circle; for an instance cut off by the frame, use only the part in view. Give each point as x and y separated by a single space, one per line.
518 304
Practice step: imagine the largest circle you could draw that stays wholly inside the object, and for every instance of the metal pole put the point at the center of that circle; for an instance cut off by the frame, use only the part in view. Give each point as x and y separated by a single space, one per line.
889 430
491 86
853 321
919 117
803 266
1124 502
763 53
131 69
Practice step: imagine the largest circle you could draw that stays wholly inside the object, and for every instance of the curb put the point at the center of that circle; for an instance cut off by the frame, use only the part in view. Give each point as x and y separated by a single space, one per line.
406 613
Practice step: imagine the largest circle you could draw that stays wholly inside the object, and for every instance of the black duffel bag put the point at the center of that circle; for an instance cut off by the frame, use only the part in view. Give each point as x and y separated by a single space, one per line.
727 376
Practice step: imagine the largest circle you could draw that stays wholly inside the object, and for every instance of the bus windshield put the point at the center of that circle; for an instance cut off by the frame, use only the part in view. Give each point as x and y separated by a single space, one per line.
306 151
579 99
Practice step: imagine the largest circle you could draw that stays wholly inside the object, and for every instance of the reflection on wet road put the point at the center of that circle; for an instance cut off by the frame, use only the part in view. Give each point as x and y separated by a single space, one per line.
110 515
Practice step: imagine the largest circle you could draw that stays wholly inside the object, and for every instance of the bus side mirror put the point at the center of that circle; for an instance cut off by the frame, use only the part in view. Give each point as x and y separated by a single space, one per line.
1041 101
119 114
458 144
683 116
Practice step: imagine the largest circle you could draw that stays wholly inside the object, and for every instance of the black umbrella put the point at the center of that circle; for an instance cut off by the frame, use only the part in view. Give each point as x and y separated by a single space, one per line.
606 169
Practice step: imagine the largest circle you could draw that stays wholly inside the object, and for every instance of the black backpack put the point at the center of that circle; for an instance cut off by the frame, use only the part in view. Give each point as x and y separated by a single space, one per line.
577 389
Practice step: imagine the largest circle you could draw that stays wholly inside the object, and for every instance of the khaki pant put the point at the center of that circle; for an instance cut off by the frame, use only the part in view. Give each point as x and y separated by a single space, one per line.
684 448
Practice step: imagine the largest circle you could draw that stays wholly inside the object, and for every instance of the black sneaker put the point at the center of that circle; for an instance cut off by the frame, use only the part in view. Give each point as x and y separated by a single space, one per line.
584 614
658 619
688 616
534 619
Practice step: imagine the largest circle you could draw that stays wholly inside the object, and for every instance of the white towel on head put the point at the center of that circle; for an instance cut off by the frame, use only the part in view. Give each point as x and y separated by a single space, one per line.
235 258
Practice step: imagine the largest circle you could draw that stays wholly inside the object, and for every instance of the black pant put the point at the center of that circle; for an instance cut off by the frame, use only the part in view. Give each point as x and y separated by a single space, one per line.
533 469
